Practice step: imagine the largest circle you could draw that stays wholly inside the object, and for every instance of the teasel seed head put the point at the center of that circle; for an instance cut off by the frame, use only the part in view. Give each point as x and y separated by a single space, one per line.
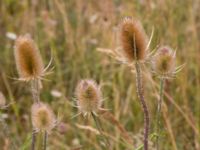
164 62
133 40
28 59
89 96
43 118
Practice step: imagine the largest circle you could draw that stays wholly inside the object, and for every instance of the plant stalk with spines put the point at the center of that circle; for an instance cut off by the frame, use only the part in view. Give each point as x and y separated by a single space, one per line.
158 125
36 99
33 140
45 140
140 93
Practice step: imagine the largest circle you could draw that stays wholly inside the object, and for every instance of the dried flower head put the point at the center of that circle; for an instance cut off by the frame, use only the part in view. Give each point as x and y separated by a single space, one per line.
89 96
133 39
2 100
28 59
43 118
164 62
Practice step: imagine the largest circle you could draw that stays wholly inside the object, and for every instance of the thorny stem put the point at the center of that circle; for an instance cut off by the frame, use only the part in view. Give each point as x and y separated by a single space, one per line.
158 126
45 140
33 140
140 93
35 90
99 127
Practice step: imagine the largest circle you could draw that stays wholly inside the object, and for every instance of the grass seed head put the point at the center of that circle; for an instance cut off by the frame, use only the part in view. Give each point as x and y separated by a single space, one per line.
164 61
28 59
43 118
88 96
133 39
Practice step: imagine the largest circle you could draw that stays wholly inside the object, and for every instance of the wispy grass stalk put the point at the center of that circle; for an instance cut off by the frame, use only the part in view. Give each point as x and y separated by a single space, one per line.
100 128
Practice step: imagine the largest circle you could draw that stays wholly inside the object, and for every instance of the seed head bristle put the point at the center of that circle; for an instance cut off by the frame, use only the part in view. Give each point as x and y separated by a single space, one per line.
88 96
28 59
164 61
43 118
133 39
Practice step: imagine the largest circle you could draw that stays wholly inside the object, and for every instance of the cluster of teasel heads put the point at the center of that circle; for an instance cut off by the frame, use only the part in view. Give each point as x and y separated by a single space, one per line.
134 51
31 69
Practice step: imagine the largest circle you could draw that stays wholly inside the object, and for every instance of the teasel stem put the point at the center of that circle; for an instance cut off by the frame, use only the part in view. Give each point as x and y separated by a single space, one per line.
45 140
36 98
33 140
35 90
158 124
140 93
99 127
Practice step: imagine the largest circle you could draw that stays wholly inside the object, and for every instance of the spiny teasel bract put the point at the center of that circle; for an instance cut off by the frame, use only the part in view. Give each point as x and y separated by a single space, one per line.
28 59
89 96
43 118
133 40
164 62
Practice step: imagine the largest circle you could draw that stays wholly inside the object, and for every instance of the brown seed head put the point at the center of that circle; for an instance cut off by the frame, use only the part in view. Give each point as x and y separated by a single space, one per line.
133 39
88 96
28 59
164 61
43 118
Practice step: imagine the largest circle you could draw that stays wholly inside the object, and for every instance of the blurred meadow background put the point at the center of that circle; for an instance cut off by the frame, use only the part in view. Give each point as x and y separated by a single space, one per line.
70 31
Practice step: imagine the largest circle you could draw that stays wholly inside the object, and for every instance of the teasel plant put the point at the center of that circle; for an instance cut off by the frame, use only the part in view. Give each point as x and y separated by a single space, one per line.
43 120
134 53
30 68
164 66
89 101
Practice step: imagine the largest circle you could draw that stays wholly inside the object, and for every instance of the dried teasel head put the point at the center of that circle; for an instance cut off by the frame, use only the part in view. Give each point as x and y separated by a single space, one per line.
43 118
28 59
164 62
133 40
89 96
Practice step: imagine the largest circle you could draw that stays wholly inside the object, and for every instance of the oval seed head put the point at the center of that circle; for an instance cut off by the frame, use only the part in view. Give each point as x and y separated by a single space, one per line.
43 118
133 39
28 59
2 100
89 96
164 61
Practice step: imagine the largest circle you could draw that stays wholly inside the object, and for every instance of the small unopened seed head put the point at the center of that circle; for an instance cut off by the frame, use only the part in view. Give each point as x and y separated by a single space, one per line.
28 59
164 61
2 100
43 118
133 39
89 96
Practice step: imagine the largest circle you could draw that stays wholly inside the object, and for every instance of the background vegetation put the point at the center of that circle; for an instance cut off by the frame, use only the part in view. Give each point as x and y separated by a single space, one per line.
70 31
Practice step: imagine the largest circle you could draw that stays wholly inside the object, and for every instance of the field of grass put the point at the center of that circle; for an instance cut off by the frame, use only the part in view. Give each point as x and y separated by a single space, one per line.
70 31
